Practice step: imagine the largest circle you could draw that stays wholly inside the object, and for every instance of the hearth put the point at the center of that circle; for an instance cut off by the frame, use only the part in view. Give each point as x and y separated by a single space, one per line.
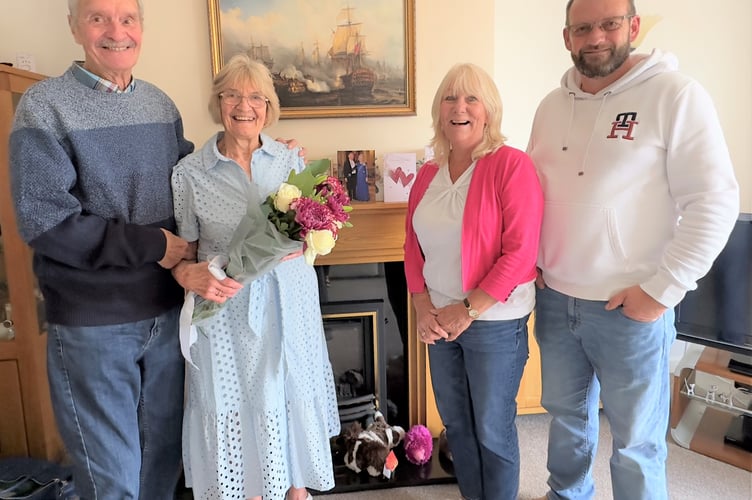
438 470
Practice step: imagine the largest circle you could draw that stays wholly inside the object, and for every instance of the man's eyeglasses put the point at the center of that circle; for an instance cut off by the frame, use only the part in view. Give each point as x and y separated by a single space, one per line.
256 101
608 24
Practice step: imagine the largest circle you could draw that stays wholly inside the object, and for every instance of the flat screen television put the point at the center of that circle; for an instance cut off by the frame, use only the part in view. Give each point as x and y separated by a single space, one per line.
719 312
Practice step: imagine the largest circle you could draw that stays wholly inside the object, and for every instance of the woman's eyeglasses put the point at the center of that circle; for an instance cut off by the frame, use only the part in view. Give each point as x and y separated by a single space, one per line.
256 101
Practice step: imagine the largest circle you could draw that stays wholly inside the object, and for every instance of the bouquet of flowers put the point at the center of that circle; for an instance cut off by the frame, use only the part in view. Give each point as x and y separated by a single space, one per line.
310 207
306 211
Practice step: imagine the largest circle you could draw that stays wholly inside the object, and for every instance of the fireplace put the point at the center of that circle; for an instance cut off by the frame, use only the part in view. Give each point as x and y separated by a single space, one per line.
377 238
364 310
364 314
354 332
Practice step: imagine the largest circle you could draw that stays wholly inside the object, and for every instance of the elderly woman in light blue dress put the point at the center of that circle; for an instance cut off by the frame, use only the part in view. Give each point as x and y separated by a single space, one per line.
261 403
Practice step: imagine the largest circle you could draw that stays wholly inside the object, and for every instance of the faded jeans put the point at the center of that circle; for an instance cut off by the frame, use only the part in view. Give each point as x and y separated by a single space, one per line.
475 382
590 354
117 393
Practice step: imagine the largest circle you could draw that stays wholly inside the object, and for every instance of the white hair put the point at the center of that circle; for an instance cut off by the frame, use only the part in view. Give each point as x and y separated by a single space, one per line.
73 8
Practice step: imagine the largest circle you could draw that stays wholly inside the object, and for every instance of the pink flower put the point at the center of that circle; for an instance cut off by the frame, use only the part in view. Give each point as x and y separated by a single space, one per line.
321 206
312 215
331 189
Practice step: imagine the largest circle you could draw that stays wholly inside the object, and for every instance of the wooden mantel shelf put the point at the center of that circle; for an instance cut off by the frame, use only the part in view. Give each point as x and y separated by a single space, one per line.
377 235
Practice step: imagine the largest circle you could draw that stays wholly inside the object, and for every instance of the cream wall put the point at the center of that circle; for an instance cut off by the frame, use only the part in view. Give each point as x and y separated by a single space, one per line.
175 56
519 42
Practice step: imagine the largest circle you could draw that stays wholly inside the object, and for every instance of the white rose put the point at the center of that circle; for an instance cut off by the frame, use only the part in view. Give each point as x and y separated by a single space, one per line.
318 242
286 194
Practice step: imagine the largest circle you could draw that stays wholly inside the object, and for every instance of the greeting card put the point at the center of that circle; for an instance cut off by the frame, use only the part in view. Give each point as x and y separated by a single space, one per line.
399 176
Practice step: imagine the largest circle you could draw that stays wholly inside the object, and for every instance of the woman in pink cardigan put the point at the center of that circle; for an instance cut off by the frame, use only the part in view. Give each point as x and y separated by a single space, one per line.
471 244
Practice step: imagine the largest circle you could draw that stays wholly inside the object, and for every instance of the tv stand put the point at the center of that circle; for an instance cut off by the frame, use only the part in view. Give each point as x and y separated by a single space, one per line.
702 419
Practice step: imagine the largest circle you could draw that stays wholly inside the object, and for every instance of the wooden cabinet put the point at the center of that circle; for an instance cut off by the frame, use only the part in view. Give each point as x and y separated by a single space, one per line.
378 235
700 417
27 426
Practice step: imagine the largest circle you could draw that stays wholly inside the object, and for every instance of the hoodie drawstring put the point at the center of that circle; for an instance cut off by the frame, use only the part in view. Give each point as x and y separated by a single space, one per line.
581 172
565 146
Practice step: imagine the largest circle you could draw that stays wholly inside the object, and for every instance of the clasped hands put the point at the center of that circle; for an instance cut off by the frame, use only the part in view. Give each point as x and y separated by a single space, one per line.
447 323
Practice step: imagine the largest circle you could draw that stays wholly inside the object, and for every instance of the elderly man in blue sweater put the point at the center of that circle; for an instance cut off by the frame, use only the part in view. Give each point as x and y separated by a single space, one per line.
91 154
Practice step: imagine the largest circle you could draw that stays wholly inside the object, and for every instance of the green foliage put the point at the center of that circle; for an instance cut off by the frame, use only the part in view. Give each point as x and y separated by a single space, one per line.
314 174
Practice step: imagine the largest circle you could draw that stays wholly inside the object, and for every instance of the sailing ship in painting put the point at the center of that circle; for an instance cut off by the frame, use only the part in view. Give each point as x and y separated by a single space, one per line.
345 75
260 53
347 55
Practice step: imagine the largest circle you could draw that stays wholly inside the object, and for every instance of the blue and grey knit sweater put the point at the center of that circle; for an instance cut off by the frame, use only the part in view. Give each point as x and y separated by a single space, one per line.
90 176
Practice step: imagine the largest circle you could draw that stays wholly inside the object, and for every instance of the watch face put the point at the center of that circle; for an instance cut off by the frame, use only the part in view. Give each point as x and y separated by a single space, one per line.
470 311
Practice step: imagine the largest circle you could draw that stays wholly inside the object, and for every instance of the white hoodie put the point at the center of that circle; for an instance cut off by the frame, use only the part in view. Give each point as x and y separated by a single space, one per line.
638 183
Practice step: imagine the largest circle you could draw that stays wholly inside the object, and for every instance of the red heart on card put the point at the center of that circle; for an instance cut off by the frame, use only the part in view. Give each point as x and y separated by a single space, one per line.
398 175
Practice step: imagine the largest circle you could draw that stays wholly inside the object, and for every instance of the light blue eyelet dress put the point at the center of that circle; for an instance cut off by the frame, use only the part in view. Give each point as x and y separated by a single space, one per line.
261 403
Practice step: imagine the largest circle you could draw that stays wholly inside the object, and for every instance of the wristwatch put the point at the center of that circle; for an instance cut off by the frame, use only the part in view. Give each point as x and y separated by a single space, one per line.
473 313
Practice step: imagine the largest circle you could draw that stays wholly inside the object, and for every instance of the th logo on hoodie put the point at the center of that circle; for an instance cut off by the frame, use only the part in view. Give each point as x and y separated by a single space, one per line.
624 125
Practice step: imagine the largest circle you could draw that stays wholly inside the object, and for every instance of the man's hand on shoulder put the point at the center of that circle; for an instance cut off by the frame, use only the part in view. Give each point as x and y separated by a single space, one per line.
177 249
637 305
291 143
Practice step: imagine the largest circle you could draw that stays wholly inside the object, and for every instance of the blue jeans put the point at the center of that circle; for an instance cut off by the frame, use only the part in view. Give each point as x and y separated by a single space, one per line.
589 353
475 383
117 393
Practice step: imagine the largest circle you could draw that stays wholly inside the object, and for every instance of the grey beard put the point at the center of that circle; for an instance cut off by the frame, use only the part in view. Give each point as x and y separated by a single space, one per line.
618 56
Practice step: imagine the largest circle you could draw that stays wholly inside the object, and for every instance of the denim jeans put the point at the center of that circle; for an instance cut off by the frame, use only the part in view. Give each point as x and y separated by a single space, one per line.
117 394
475 382
587 354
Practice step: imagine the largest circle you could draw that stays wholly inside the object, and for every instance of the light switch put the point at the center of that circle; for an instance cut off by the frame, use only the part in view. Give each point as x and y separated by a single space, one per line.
25 61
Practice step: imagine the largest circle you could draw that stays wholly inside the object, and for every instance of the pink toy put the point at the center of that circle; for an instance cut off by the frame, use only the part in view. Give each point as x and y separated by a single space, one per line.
418 444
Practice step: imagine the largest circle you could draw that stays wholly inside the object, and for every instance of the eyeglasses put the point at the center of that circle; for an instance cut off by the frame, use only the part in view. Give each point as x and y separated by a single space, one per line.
256 101
607 24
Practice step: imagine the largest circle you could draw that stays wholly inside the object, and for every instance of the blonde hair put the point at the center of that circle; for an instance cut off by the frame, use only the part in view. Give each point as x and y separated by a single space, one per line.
242 71
469 79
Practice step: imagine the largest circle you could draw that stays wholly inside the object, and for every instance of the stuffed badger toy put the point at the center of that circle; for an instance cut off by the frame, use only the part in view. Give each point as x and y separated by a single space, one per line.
367 449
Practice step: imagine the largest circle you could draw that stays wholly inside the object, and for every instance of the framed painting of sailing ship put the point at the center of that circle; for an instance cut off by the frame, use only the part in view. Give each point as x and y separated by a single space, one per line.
327 58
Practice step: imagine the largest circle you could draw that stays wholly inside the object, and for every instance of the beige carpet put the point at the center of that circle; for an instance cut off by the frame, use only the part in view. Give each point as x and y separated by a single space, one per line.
691 476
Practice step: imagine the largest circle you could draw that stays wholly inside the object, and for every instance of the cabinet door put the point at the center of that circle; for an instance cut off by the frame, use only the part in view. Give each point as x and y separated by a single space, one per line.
12 427
27 426
6 326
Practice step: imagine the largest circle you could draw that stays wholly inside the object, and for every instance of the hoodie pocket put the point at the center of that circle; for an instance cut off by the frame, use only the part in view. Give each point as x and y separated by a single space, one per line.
581 243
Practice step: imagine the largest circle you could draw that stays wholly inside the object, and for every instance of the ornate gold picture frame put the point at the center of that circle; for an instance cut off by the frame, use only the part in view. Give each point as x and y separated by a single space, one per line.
328 59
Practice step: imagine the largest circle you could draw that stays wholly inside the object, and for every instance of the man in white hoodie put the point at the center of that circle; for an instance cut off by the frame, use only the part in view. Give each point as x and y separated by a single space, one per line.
640 198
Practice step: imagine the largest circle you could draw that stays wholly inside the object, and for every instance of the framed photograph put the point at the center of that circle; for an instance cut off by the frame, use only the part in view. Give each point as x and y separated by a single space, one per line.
327 58
358 173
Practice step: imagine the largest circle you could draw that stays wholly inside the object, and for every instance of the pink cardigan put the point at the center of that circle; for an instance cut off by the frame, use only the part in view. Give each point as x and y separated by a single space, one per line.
501 224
